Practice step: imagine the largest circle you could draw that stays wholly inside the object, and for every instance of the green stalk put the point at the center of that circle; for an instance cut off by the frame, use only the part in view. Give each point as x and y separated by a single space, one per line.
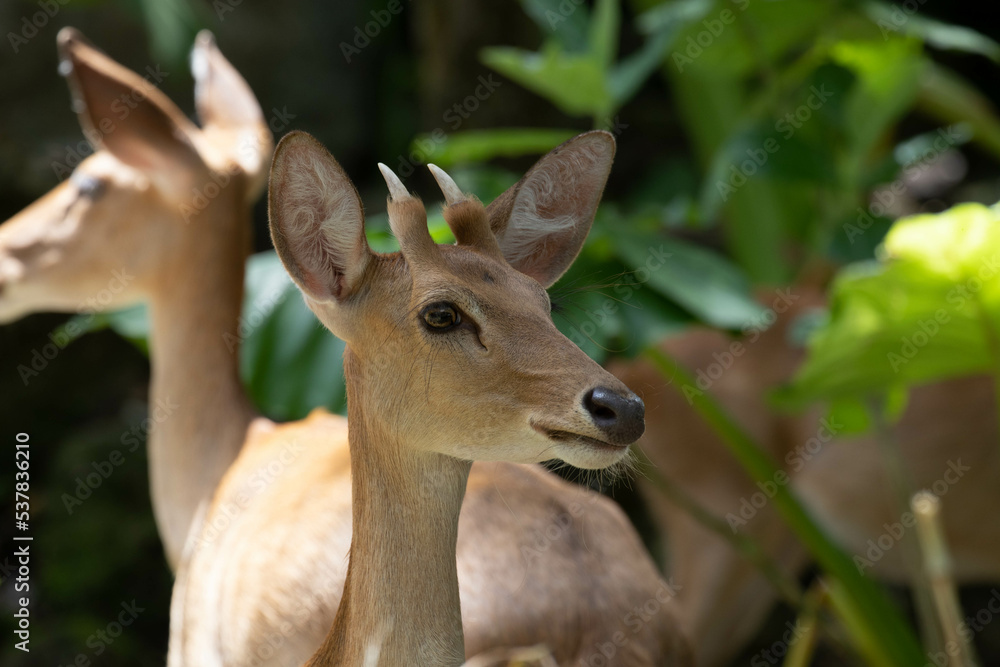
807 627
787 587
937 563
902 487
865 610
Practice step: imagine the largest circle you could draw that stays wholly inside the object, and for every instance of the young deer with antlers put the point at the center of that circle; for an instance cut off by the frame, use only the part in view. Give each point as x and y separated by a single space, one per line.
263 588
451 356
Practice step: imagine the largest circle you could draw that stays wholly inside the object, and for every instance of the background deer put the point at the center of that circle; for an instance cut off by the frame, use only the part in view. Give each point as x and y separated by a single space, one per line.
127 211
270 598
842 479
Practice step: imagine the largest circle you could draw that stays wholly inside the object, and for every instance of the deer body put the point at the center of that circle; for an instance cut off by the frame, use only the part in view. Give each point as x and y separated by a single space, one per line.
505 566
257 516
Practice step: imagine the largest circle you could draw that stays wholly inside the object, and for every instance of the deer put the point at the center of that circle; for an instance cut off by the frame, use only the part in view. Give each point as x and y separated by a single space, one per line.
451 356
124 211
439 374
539 560
946 437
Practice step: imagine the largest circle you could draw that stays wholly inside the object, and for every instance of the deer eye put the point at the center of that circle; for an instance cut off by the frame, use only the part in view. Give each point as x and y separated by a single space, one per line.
440 316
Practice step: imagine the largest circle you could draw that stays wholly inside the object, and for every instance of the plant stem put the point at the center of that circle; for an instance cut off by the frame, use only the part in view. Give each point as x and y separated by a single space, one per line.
807 626
871 617
787 587
902 487
927 508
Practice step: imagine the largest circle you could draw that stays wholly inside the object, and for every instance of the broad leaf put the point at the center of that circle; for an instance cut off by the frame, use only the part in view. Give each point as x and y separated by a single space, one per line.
928 310
574 82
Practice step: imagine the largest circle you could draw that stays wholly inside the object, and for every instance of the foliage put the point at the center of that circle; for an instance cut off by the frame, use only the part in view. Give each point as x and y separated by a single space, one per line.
575 68
927 309
795 113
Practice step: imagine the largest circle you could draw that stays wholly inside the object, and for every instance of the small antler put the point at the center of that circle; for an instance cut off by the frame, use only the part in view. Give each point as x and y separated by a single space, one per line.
396 188
408 220
452 193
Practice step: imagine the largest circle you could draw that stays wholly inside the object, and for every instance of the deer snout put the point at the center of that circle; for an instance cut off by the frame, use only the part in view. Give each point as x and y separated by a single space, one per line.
621 417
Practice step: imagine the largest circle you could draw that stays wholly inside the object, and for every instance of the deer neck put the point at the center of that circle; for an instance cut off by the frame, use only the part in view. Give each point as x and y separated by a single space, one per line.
401 598
198 411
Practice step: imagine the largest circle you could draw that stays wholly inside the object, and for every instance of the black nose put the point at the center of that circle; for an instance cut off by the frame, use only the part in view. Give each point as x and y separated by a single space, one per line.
621 418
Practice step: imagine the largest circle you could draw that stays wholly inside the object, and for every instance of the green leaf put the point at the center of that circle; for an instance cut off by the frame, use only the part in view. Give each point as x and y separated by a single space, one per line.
130 323
625 78
172 26
565 21
603 38
703 283
481 145
289 362
929 310
945 95
574 82
602 308
763 153
940 35
888 74
673 16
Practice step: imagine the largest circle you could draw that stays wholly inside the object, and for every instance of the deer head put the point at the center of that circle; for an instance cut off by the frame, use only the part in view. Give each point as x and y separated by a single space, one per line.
453 345
133 214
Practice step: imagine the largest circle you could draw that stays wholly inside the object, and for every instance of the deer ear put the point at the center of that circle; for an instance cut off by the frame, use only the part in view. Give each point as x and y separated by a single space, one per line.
542 221
231 117
317 220
128 115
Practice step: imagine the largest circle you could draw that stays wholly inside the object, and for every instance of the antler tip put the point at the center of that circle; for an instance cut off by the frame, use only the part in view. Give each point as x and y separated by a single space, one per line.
396 188
452 193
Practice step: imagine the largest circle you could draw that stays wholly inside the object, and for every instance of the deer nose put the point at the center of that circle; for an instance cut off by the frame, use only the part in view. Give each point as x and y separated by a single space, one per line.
621 418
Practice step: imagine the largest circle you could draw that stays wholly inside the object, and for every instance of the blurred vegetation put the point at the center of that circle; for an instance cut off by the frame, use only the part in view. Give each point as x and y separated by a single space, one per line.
761 143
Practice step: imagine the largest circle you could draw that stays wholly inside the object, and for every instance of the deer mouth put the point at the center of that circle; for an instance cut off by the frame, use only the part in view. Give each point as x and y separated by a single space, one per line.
568 437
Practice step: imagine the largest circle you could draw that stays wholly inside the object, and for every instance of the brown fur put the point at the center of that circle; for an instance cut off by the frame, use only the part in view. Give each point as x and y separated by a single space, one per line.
264 567
412 433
